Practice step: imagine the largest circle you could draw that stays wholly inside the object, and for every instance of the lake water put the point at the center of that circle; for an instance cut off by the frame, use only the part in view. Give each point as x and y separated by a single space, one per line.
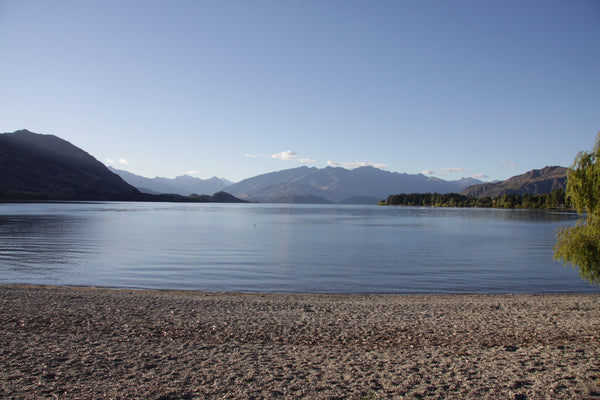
284 248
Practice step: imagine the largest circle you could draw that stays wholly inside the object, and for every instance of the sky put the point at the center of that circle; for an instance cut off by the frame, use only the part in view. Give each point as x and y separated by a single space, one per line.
238 88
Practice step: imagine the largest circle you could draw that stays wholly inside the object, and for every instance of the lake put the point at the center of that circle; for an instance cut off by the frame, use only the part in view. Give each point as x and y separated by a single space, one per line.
285 248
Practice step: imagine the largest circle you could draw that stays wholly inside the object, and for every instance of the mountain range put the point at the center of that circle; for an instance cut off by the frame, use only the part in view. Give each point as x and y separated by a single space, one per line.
184 185
364 185
35 166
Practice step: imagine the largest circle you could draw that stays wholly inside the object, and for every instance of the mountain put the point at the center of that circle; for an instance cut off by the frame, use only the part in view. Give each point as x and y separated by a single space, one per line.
35 166
466 182
183 185
537 181
339 185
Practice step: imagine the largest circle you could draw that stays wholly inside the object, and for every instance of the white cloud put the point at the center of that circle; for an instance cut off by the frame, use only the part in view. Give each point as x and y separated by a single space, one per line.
250 155
507 164
122 161
285 155
479 176
427 172
192 172
456 169
355 164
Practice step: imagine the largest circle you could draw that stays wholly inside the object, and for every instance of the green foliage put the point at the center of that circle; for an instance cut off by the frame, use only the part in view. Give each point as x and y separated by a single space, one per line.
580 245
555 199
583 182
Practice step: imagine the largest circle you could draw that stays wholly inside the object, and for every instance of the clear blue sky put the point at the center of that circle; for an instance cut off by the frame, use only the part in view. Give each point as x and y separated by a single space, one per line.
238 88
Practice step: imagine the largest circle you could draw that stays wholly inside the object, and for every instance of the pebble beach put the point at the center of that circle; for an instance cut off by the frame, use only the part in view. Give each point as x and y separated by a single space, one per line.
73 343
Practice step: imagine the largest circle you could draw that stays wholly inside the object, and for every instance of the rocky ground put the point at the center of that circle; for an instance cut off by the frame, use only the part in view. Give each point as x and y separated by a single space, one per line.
72 343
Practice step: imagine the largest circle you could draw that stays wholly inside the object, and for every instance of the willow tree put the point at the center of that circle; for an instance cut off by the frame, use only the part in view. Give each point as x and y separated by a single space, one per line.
580 244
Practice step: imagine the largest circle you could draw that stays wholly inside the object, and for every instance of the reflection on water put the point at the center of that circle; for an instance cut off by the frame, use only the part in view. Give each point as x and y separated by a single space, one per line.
284 248
41 245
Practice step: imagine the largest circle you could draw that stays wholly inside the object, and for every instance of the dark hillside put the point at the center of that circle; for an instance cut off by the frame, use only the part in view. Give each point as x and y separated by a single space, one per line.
535 182
35 166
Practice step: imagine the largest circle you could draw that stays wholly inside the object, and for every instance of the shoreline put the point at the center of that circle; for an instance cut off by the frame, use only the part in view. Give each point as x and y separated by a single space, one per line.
594 292
87 342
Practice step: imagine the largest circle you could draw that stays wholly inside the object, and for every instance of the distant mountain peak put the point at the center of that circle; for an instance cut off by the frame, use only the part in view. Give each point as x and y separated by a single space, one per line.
23 132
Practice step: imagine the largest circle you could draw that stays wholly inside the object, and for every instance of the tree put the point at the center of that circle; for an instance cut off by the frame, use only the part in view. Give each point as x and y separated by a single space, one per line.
580 245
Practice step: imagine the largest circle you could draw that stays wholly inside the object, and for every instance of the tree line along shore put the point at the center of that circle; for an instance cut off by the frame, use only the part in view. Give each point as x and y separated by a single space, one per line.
553 200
